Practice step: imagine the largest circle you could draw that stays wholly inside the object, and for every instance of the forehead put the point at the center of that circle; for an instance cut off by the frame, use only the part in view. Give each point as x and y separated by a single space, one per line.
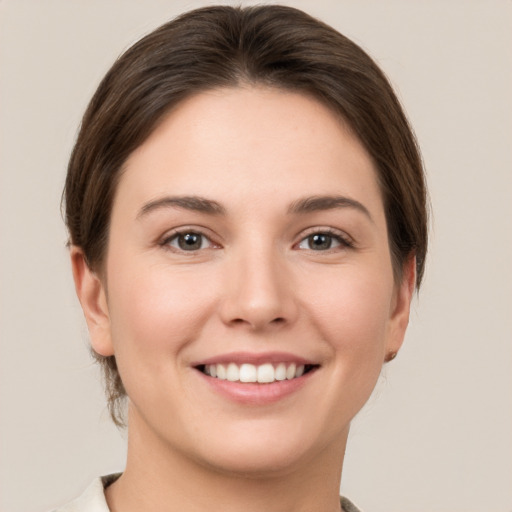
250 143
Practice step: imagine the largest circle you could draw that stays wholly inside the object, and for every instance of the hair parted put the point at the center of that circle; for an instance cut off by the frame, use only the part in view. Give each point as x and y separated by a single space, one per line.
222 46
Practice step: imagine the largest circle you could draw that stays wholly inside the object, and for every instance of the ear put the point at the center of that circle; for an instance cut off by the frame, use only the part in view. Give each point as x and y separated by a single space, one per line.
92 296
400 309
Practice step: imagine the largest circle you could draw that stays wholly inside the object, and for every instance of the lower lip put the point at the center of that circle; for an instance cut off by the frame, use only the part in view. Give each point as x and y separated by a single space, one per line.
253 393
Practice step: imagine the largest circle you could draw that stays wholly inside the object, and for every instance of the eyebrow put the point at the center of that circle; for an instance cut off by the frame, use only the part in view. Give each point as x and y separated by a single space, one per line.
193 203
209 206
319 203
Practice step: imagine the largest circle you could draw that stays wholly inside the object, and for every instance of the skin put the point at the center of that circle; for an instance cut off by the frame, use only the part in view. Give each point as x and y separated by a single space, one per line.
256 285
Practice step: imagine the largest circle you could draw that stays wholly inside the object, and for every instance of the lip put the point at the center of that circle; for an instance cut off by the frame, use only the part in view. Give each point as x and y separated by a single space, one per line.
255 359
253 393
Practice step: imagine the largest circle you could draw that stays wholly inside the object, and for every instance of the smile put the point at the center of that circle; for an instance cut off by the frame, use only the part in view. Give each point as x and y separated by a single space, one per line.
256 379
263 374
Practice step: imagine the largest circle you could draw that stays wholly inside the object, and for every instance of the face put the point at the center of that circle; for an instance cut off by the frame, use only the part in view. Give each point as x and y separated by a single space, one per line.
248 292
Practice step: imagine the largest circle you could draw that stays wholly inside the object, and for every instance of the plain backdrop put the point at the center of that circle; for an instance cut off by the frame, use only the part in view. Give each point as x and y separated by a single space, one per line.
437 434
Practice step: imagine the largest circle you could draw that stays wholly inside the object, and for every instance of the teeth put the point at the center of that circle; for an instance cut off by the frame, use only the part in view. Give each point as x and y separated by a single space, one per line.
264 373
233 372
290 371
280 372
248 373
220 371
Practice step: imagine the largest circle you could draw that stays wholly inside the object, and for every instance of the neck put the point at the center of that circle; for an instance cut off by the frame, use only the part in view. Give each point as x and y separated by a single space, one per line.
158 477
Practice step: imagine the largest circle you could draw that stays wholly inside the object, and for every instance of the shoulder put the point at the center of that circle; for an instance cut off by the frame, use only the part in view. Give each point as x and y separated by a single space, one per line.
347 505
93 498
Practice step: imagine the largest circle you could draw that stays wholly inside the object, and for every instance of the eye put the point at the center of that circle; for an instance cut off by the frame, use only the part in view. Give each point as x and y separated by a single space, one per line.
323 241
188 241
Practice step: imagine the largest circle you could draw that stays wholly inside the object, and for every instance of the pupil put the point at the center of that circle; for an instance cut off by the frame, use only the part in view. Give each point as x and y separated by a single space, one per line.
320 241
190 241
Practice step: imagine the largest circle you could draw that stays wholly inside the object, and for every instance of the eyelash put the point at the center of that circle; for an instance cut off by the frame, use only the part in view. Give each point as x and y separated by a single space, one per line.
175 235
343 240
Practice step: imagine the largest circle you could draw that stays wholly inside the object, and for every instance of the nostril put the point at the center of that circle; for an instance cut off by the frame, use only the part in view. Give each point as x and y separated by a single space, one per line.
278 320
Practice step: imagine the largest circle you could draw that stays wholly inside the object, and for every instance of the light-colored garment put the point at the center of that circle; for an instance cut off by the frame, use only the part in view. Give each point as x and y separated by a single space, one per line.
93 498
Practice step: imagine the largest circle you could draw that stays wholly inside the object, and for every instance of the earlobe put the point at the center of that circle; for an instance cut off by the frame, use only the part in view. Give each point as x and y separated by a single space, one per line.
400 310
92 296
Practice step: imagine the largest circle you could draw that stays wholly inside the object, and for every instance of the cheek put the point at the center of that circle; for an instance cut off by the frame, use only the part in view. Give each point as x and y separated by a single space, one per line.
352 312
155 313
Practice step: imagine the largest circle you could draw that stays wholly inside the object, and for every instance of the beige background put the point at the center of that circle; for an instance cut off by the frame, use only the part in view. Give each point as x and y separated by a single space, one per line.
437 435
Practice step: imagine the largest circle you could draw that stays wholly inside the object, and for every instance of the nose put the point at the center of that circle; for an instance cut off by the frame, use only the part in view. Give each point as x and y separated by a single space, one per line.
259 292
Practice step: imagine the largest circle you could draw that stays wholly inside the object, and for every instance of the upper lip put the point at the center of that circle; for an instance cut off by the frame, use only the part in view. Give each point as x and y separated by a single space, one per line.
255 358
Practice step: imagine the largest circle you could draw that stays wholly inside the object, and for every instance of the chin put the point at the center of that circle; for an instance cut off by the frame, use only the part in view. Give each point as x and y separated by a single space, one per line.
255 462
260 451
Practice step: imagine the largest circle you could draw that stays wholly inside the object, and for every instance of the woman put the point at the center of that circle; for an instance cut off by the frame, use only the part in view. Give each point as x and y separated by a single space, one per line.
247 218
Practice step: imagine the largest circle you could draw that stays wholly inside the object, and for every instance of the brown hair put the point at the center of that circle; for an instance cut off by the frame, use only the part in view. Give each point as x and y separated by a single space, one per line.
223 46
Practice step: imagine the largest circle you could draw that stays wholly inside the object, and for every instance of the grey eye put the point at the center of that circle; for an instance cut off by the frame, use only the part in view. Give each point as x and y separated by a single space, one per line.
189 241
319 242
